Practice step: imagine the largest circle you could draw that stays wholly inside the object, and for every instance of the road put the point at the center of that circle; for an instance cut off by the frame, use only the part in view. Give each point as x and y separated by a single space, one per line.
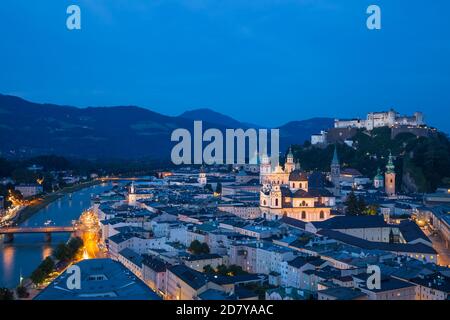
439 246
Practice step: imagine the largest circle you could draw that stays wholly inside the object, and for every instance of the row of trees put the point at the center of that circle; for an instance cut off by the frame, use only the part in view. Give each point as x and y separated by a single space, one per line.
64 252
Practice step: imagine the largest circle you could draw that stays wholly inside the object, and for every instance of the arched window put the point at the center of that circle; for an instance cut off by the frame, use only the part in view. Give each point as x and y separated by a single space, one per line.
276 202
293 185
322 215
303 215
303 203
300 185
264 202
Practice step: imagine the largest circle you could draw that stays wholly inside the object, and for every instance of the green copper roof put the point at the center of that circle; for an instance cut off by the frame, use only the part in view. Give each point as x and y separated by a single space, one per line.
379 175
390 168
335 160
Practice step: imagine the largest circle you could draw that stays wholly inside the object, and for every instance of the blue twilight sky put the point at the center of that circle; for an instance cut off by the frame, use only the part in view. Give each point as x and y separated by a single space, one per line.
260 61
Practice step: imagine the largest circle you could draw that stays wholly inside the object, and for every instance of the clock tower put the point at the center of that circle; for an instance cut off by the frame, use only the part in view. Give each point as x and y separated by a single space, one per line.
389 177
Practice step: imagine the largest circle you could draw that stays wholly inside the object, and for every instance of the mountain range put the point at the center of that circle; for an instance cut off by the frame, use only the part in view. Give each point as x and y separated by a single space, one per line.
30 129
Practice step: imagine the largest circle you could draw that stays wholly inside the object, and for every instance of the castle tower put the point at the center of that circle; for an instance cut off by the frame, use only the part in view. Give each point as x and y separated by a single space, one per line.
336 173
378 181
289 166
389 177
202 177
265 168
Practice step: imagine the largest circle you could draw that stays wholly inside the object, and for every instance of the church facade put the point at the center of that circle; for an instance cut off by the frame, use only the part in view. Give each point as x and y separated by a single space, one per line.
285 192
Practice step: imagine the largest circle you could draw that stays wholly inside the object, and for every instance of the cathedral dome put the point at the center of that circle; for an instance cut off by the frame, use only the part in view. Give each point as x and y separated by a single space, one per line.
302 194
298 175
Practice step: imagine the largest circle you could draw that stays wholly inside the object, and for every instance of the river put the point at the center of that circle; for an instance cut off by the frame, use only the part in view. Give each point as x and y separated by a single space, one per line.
25 253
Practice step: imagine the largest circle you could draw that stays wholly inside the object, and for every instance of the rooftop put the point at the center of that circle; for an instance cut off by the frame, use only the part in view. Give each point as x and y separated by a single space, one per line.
101 279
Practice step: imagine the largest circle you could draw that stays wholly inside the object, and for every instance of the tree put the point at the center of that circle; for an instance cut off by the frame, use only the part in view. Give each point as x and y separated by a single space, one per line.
372 210
43 270
6 294
197 247
38 276
352 204
208 269
236 270
74 245
362 206
66 252
219 188
356 206
222 270
48 265
62 252
204 247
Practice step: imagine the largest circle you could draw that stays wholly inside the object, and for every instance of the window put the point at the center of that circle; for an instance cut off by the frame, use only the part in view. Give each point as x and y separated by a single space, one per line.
300 185
276 202
293 185
322 215
303 203
303 215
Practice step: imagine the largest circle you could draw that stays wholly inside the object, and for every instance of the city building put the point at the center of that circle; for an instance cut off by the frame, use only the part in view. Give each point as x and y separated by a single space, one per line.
29 190
390 289
101 279
154 273
200 261
285 192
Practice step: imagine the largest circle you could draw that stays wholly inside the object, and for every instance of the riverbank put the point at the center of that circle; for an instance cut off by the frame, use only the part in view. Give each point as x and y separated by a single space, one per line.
41 203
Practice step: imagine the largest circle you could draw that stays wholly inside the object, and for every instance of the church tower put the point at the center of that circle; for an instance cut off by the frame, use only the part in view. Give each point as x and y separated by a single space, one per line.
202 177
389 177
289 166
336 173
378 181
265 168
132 194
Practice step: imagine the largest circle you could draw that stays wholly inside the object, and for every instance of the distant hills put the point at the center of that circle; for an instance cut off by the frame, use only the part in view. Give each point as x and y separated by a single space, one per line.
30 129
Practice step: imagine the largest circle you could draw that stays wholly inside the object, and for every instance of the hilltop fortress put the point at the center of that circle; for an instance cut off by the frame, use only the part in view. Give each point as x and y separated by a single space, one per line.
344 130
389 118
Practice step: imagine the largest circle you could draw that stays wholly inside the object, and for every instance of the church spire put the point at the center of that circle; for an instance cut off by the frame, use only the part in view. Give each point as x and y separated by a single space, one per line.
390 167
336 173
335 160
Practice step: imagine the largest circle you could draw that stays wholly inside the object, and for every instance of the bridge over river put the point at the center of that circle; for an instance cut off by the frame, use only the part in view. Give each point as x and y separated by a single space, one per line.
9 232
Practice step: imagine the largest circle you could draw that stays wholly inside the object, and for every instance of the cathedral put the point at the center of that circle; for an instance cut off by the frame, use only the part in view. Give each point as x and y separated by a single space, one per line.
285 192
